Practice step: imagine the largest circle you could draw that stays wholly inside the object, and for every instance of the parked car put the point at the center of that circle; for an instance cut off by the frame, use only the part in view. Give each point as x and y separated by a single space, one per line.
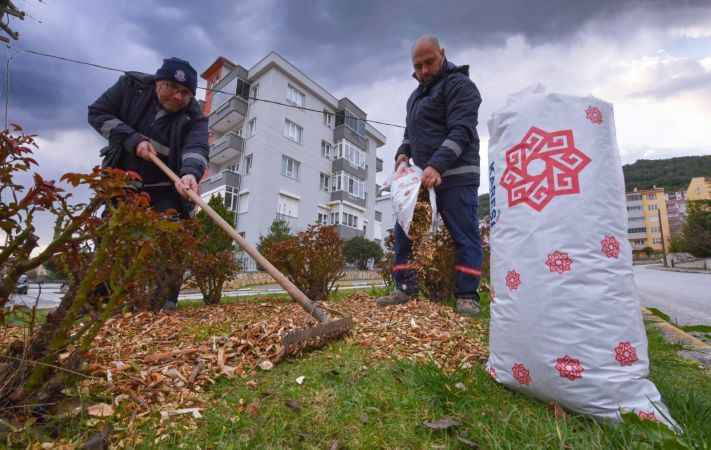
22 284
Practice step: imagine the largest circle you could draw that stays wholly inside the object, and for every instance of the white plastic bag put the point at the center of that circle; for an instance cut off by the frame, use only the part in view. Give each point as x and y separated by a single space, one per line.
404 187
565 319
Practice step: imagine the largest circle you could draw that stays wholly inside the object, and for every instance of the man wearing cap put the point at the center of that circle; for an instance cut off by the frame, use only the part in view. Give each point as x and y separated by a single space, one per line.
157 114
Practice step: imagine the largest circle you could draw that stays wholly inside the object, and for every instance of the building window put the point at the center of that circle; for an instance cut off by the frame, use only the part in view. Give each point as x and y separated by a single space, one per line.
328 118
230 198
254 92
293 131
334 218
294 96
657 241
651 196
342 181
636 230
290 167
634 208
652 207
325 182
243 203
252 127
634 197
350 120
326 149
350 220
378 216
287 207
322 219
346 150
248 164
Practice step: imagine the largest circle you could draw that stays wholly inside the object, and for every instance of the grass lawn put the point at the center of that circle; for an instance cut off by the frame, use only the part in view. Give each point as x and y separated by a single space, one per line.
349 400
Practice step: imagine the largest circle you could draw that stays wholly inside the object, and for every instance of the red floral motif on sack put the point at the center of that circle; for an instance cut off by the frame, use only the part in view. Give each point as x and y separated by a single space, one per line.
559 262
625 354
647 415
521 374
610 247
541 167
513 280
491 371
594 115
569 368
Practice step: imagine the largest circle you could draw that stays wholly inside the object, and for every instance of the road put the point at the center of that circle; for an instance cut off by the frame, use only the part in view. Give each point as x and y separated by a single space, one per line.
685 297
49 296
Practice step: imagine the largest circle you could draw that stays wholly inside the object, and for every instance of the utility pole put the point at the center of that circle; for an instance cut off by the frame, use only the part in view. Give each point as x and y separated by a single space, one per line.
9 9
661 230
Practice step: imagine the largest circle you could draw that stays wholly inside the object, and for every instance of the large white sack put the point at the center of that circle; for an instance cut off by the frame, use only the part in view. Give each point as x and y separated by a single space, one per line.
565 319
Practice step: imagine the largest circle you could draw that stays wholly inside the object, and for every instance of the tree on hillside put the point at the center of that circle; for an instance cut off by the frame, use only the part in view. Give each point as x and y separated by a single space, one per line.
697 230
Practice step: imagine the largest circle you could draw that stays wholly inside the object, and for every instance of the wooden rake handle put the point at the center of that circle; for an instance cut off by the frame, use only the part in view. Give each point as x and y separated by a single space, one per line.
312 308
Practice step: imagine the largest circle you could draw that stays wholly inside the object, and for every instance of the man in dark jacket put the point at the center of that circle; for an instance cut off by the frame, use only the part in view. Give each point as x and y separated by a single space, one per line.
156 114
441 138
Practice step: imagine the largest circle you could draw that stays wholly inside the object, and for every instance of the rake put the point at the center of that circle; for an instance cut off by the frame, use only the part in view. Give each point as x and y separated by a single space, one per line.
327 329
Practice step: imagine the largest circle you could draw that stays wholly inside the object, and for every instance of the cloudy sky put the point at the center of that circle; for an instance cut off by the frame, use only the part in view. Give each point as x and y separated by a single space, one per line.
652 59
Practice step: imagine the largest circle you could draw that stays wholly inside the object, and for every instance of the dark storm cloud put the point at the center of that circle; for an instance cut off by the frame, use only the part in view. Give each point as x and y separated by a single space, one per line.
337 43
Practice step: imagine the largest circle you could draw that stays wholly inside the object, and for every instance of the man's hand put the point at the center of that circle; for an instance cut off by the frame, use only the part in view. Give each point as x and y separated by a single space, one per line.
187 182
144 149
430 177
401 159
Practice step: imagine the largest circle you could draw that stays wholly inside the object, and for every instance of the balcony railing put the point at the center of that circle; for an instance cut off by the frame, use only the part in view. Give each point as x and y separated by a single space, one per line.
228 147
219 180
229 115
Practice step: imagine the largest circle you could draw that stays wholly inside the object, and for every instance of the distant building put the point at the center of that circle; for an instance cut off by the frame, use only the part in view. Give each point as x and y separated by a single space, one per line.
676 208
648 219
272 162
699 189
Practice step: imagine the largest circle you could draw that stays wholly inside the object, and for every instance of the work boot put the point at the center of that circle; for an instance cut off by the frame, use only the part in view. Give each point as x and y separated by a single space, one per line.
169 306
396 298
467 307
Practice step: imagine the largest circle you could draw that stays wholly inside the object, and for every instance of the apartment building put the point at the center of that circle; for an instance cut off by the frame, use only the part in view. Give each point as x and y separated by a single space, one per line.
648 219
699 189
271 160
677 211
384 217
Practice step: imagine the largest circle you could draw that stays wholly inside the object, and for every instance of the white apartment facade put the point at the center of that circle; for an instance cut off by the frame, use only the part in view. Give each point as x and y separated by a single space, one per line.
271 161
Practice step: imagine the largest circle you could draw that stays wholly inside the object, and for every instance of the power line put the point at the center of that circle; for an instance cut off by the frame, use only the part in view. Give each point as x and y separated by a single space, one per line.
287 105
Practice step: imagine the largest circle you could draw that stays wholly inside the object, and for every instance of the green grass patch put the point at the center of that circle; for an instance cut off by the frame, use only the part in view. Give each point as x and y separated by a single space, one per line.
697 328
359 404
660 314
349 398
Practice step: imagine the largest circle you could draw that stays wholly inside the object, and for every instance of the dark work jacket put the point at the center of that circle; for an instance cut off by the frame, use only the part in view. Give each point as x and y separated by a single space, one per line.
441 127
129 112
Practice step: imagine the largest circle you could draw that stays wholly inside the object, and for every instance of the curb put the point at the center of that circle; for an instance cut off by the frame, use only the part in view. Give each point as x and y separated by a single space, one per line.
696 349
674 269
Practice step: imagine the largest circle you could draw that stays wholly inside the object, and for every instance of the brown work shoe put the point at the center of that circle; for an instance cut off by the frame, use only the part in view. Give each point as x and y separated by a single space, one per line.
396 298
467 307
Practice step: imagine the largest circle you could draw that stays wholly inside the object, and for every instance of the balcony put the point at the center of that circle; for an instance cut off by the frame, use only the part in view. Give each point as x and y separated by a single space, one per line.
346 197
345 132
378 165
229 115
342 164
228 148
220 180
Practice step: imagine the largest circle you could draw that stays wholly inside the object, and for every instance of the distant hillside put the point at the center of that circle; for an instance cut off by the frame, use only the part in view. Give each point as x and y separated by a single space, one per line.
483 209
672 174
